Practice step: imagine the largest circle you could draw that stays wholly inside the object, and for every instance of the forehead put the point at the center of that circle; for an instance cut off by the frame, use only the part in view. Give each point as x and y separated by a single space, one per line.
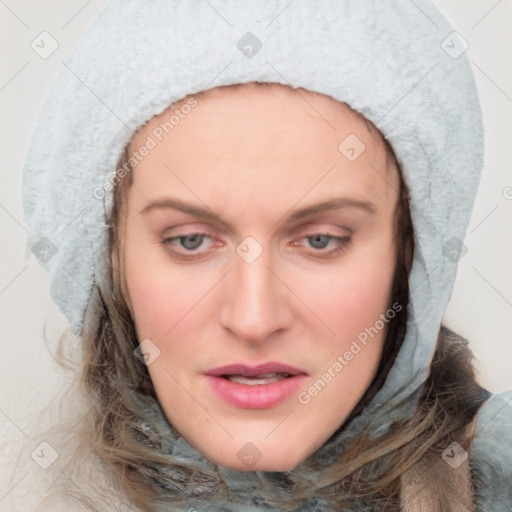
261 136
241 109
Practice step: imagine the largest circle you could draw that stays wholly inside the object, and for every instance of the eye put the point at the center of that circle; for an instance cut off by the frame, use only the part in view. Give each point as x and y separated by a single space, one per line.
324 244
319 241
192 242
186 246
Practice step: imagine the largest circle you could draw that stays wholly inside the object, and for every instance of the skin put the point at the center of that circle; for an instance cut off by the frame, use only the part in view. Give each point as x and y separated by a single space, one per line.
254 155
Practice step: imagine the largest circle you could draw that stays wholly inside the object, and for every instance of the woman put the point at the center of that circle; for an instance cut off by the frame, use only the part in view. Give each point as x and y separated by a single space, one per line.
255 236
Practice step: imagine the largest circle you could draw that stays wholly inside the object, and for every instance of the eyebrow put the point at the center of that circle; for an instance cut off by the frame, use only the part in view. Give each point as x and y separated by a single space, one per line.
205 213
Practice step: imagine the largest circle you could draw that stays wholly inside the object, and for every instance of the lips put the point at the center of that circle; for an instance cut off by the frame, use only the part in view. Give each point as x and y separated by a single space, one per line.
255 387
256 380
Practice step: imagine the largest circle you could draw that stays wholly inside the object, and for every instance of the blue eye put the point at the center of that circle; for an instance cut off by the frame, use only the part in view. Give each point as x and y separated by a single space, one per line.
319 241
191 242
183 247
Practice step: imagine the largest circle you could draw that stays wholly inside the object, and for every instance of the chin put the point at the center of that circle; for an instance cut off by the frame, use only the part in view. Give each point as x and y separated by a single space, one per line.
259 466
275 463
276 466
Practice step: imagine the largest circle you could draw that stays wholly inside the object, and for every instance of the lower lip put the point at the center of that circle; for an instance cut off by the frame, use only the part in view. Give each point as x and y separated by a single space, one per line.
259 396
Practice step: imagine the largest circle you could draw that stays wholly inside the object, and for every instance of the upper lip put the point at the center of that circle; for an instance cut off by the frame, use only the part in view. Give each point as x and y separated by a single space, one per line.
253 371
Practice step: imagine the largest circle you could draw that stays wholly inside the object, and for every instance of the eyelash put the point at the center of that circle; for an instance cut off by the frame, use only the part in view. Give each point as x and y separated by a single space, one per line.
343 242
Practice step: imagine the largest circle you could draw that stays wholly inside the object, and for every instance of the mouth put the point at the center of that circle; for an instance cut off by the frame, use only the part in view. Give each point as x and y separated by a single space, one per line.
257 379
255 387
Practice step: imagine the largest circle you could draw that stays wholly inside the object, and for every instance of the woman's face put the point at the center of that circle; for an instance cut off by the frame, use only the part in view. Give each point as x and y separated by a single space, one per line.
259 254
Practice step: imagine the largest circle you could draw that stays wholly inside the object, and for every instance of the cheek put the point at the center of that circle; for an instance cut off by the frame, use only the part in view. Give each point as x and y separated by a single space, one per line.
367 294
159 297
353 296
354 303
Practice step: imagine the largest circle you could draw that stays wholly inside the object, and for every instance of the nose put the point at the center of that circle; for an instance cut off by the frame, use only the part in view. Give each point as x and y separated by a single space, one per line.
256 303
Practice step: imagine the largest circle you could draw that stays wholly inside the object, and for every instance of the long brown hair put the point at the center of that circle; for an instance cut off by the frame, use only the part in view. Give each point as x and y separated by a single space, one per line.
369 473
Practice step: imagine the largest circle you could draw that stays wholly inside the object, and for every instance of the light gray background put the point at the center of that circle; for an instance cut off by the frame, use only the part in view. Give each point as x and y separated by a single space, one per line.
481 304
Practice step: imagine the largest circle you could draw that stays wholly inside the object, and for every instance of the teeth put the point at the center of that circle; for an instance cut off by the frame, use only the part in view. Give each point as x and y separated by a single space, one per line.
258 379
